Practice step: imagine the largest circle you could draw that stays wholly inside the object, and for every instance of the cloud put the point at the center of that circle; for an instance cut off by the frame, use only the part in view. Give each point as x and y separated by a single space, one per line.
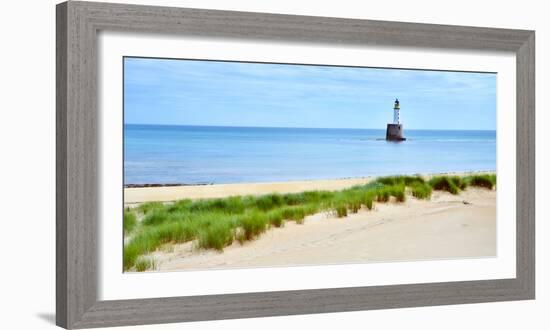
176 89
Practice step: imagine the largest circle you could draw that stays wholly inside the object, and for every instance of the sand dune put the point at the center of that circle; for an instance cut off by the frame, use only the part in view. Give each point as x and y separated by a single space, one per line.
447 226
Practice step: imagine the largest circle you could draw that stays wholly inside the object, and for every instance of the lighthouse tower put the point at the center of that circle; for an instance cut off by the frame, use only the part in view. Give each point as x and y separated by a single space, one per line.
394 131
396 112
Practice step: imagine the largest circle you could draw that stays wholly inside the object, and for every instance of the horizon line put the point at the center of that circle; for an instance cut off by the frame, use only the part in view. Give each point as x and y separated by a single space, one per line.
298 127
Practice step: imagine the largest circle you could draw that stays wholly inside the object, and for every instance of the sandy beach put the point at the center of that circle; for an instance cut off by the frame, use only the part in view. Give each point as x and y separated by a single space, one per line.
134 196
168 194
447 226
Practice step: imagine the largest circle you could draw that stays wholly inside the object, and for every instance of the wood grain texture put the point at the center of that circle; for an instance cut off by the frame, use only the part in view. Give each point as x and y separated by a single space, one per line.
296 28
525 165
77 190
77 151
61 166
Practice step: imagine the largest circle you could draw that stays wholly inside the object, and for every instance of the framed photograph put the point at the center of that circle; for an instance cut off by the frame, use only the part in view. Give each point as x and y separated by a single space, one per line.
217 164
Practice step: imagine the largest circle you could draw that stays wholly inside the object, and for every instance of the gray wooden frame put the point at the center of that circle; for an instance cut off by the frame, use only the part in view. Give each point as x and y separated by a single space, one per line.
77 150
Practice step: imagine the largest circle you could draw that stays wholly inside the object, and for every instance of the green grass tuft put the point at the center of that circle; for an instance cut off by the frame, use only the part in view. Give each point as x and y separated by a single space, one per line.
421 191
155 216
130 254
484 181
275 218
233 205
341 210
130 220
144 263
216 236
253 224
444 183
398 191
296 213
400 180
368 201
458 182
179 206
268 202
294 199
383 195
151 238
150 206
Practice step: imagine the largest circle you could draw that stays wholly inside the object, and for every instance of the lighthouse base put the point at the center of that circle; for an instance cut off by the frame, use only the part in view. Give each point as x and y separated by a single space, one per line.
394 132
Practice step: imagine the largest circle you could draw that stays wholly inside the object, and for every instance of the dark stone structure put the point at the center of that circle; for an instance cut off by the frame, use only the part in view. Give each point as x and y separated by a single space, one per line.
394 132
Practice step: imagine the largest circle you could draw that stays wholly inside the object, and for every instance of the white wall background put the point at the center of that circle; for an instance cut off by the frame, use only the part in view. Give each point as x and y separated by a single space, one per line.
27 163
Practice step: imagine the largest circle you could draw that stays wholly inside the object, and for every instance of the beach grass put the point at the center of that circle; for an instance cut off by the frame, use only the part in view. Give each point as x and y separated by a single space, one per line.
216 236
253 224
216 223
368 201
421 190
341 210
454 184
446 183
275 218
129 221
149 206
485 180
144 263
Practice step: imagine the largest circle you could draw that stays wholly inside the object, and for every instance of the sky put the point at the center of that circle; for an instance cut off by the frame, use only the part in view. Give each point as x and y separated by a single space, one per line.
215 93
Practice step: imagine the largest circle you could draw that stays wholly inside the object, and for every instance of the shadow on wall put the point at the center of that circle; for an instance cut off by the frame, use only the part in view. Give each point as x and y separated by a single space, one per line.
48 317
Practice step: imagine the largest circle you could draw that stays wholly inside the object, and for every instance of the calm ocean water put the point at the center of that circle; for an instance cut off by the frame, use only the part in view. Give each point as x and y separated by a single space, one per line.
200 154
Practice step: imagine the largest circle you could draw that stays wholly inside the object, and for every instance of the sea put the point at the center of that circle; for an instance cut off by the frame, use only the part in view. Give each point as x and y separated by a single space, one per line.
161 154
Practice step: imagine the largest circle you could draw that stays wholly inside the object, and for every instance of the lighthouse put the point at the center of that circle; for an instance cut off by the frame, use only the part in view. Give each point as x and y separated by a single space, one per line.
394 131
396 112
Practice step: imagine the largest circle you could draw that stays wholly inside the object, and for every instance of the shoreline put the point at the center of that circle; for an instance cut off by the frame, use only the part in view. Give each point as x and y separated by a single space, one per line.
137 194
